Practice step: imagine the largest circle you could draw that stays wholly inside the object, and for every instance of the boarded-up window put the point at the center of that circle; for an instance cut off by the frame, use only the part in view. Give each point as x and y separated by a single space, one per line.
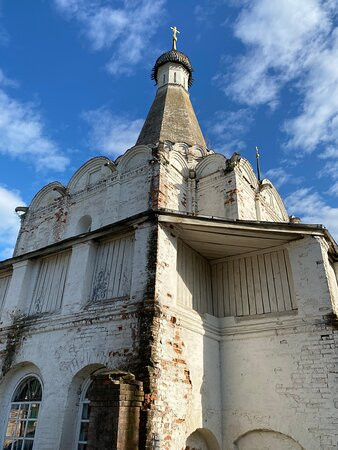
252 285
112 273
194 284
50 284
5 278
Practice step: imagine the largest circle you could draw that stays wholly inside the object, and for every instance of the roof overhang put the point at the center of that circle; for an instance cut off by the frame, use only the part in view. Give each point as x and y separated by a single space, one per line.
218 238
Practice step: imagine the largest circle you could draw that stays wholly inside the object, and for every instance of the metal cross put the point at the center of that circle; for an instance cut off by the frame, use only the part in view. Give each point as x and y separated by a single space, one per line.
175 31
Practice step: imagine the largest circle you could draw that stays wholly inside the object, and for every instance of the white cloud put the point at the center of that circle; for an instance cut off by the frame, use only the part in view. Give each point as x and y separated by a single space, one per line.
22 135
111 134
203 13
128 27
318 121
311 207
9 221
334 189
330 152
290 42
4 81
227 129
330 169
280 176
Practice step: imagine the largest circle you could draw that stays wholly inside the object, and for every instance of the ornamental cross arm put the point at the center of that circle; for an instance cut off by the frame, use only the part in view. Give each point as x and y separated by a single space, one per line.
175 31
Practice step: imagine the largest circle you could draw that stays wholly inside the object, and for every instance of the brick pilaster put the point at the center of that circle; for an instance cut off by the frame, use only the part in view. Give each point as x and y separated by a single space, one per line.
115 405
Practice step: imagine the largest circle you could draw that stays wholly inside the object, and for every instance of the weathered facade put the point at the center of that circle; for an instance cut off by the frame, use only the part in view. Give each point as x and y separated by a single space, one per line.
165 301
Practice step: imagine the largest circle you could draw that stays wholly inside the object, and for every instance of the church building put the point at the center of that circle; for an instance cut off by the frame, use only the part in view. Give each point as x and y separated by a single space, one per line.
166 300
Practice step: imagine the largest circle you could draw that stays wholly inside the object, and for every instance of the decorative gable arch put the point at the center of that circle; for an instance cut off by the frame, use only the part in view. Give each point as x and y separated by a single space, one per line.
46 195
89 173
210 164
180 164
135 157
248 172
267 186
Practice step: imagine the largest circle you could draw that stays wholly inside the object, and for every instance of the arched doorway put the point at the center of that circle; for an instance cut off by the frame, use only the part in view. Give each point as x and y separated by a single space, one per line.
202 439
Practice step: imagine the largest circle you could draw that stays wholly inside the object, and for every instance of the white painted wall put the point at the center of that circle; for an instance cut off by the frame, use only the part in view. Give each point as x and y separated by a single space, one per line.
171 73
64 348
230 375
238 375
94 191
188 179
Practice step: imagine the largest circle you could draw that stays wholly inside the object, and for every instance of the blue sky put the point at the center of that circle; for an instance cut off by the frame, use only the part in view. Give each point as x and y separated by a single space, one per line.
75 83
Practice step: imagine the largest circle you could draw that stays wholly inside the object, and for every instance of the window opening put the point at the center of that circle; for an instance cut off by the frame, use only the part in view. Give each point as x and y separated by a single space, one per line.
84 225
163 78
23 415
174 77
83 422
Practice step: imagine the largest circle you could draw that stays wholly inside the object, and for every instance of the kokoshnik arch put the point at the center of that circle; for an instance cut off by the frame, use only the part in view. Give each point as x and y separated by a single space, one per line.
166 300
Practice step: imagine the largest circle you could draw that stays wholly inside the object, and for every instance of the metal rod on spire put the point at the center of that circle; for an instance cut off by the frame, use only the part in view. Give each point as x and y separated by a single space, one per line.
175 31
258 165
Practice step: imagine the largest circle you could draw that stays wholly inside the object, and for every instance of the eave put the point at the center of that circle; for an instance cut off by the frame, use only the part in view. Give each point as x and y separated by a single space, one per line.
216 238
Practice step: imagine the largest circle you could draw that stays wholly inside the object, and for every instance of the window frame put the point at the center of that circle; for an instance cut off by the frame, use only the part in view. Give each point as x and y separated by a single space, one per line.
82 401
11 402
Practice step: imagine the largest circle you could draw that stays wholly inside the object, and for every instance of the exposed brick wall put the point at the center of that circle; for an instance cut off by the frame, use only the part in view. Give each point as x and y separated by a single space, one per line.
115 404
313 384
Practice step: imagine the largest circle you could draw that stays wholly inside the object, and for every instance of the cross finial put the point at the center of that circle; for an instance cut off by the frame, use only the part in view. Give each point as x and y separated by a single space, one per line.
175 31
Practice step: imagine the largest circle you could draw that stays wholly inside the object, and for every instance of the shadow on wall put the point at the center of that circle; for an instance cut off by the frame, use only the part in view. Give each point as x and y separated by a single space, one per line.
194 292
266 440
84 225
211 393
226 366
71 416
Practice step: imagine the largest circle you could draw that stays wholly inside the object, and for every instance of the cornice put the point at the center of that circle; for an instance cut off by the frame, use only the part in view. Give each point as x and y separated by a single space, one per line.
228 328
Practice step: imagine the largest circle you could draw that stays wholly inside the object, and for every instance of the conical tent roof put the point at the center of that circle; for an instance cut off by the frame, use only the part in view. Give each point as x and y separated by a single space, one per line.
171 116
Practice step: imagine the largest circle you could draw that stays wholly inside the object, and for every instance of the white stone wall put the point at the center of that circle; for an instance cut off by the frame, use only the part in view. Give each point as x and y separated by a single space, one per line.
95 191
173 190
58 352
64 348
238 377
231 378
181 178
188 382
235 193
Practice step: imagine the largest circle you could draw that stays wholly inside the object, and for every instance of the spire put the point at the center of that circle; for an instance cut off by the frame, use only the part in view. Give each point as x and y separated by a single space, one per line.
171 116
258 165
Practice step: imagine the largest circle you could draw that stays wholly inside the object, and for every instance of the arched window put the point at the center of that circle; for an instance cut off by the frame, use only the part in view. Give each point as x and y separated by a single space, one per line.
23 415
83 420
